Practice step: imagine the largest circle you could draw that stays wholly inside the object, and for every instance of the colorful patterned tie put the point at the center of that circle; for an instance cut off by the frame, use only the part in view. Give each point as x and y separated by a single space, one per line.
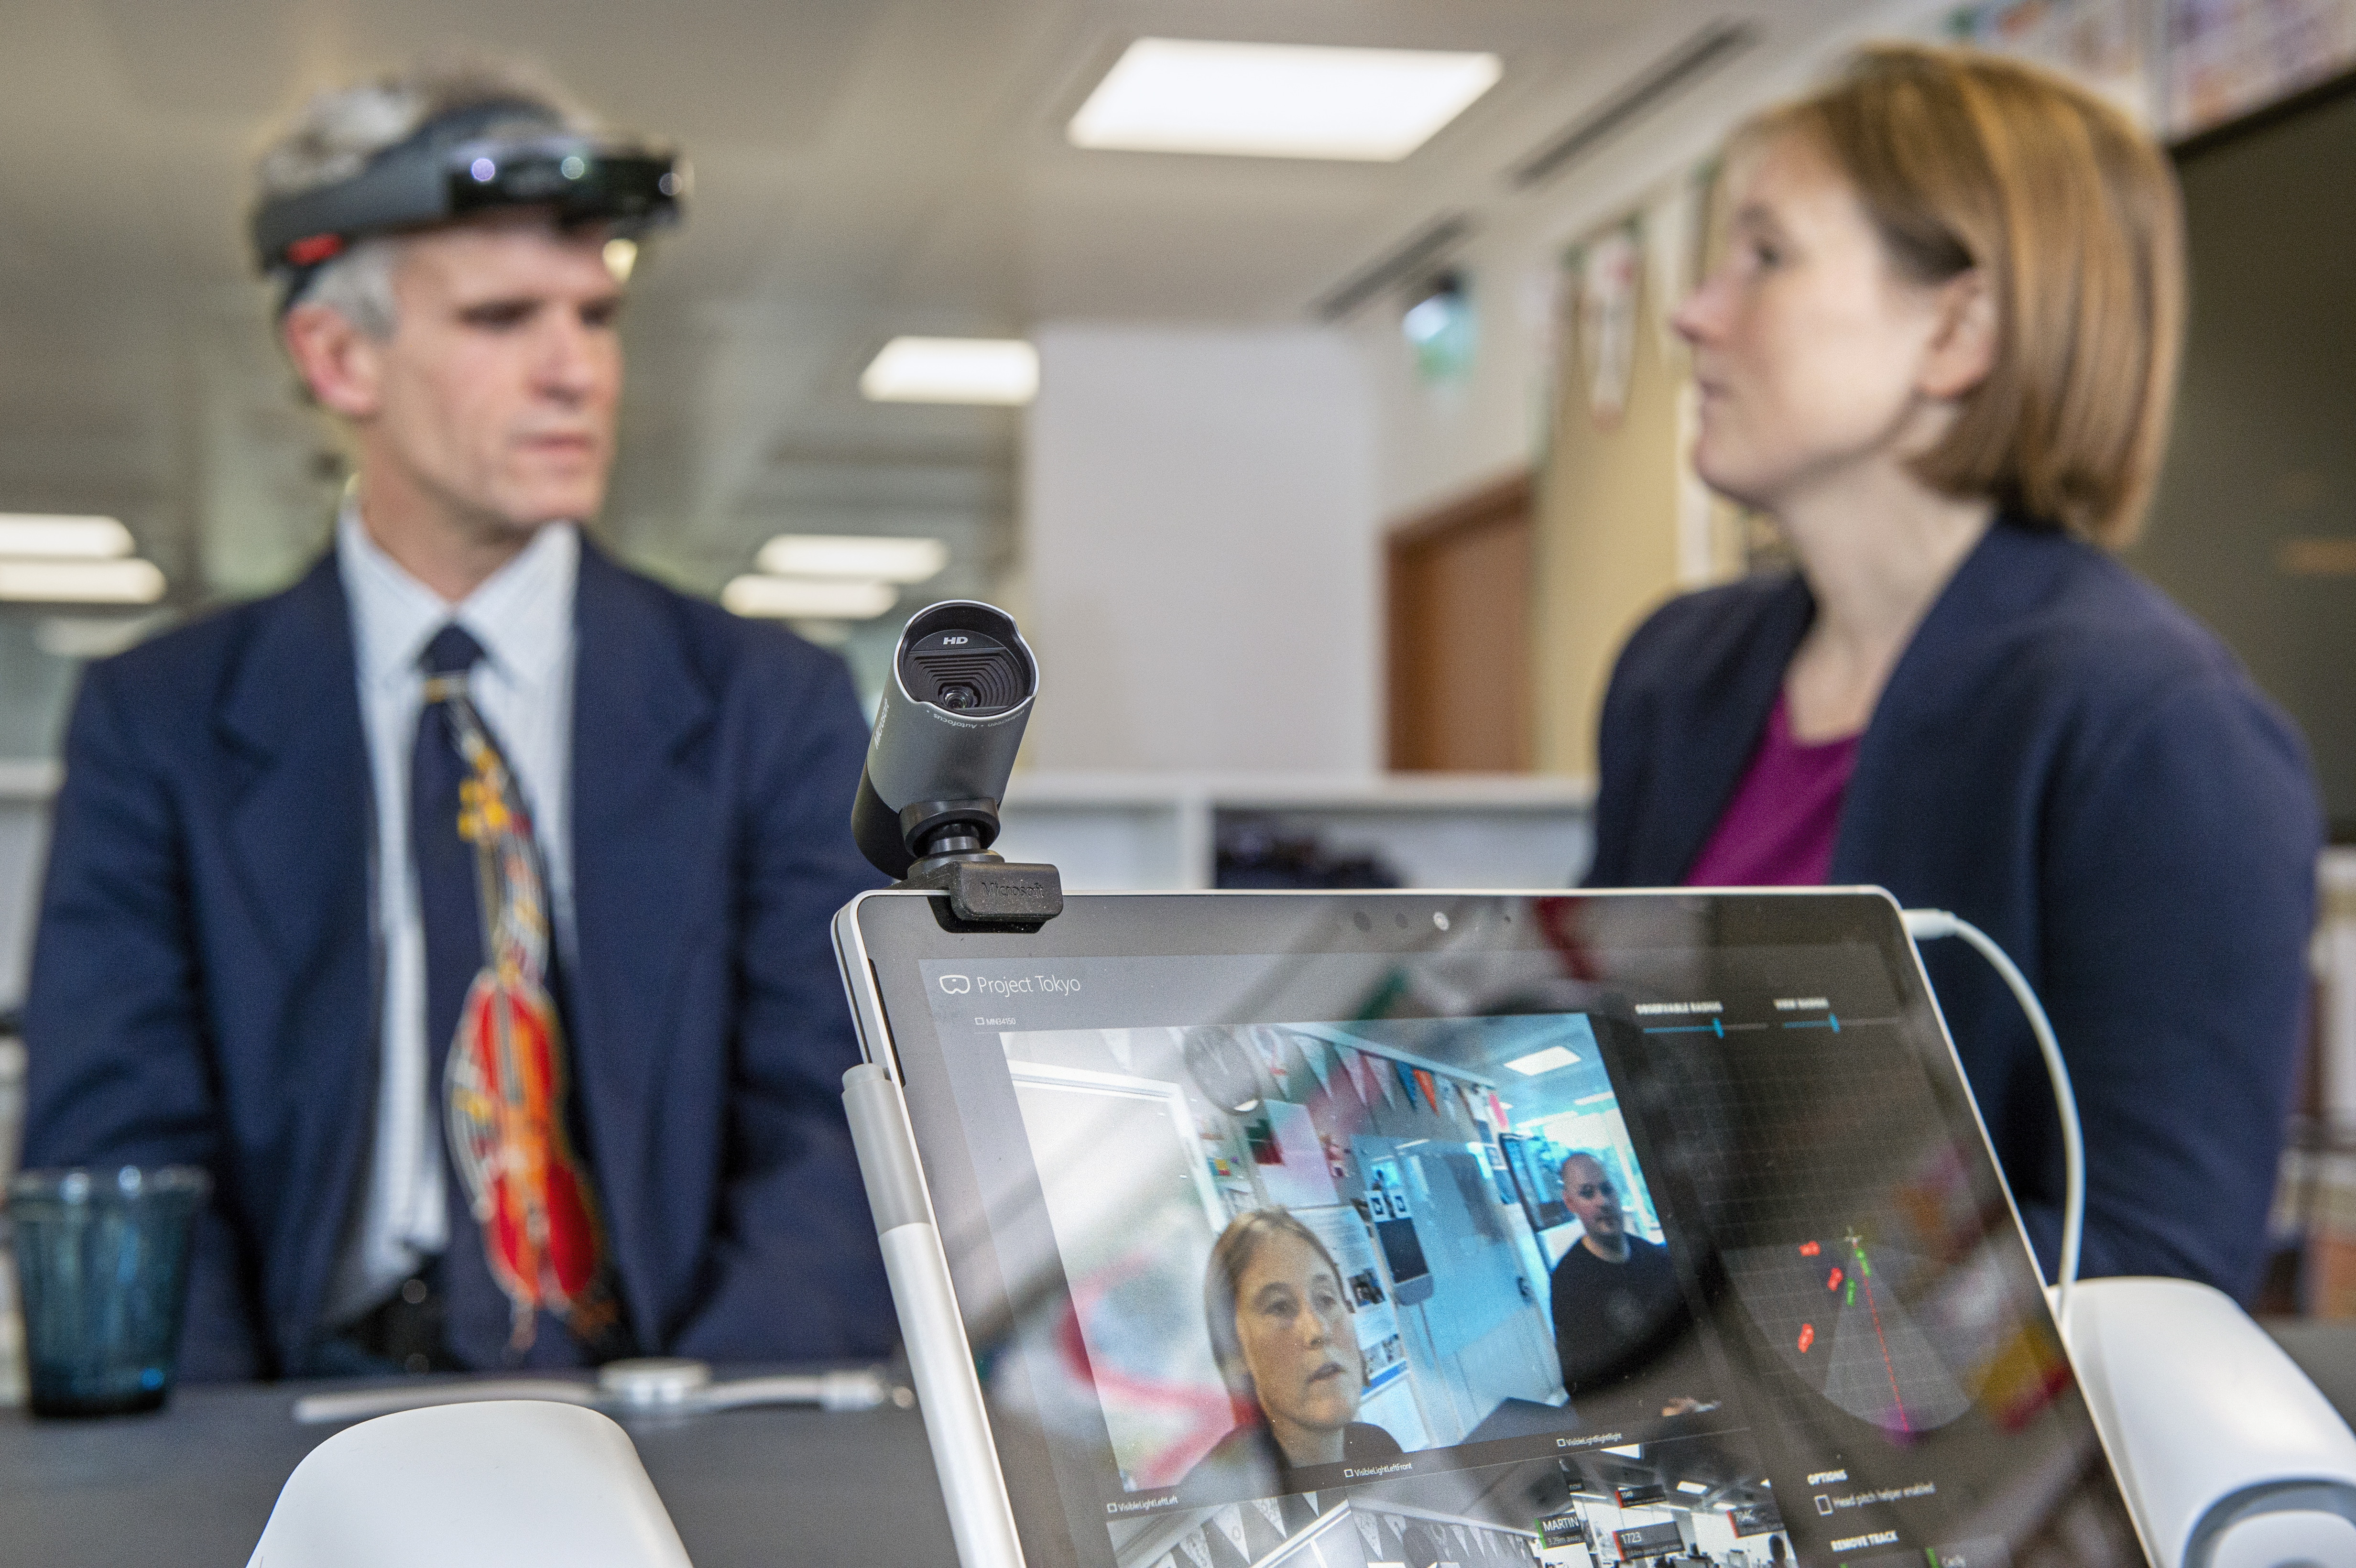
504 1085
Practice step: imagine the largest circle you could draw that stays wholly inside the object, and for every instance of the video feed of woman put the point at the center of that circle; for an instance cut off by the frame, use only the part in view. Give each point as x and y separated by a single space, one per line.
1303 1255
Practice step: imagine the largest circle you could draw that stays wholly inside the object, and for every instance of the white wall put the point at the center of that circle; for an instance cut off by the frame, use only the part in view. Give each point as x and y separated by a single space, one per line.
1200 545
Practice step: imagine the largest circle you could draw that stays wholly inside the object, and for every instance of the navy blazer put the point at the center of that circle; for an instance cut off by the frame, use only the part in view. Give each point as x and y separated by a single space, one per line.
2068 761
204 984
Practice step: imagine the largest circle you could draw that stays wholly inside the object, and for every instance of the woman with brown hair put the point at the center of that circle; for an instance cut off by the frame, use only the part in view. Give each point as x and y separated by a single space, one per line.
1939 354
1281 1329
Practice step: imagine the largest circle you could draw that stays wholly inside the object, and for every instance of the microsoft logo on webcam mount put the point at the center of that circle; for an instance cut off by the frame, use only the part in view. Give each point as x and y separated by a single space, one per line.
957 985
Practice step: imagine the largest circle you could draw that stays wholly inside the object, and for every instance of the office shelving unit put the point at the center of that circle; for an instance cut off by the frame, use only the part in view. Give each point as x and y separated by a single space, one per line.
1439 830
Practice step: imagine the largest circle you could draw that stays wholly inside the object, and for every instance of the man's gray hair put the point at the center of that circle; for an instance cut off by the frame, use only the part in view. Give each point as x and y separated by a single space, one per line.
337 133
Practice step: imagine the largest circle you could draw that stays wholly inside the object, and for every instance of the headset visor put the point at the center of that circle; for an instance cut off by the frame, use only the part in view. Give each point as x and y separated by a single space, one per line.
625 186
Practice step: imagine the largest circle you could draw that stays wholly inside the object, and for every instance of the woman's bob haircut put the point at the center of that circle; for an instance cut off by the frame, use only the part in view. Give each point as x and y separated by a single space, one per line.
1231 1256
1964 160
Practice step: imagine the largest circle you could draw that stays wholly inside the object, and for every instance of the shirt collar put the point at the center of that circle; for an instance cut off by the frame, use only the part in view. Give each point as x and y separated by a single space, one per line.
521 614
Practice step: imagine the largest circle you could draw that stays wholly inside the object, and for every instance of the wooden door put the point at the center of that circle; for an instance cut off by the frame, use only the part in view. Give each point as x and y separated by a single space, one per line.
1459 591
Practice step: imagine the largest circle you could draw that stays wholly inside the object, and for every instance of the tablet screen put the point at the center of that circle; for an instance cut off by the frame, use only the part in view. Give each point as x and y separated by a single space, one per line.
1358 1230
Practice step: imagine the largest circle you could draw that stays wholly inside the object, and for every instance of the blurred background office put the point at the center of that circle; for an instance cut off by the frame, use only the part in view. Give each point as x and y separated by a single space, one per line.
1316 412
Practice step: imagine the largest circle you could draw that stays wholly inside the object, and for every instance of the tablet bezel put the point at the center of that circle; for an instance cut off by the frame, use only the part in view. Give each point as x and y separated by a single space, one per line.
917 927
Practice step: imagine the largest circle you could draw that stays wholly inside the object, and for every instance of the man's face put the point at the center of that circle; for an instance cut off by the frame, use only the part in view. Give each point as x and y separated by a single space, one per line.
1589 1194
498 387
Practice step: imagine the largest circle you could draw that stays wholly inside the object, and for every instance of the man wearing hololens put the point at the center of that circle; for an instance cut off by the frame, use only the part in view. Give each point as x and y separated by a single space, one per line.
463 907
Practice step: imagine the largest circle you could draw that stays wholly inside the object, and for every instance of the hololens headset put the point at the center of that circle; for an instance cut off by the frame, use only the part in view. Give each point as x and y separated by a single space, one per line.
476 159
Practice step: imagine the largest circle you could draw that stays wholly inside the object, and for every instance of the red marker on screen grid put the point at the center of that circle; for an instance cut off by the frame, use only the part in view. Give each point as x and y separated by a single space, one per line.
1809 1249
1834 1283
1807 1336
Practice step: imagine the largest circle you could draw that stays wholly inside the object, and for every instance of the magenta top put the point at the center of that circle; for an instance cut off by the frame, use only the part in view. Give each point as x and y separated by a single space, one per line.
1778 830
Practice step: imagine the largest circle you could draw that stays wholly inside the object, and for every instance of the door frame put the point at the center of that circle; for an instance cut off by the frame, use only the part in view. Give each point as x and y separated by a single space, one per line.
1483 506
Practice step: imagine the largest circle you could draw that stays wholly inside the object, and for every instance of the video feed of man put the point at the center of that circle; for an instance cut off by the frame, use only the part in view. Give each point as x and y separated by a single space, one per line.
1300 1253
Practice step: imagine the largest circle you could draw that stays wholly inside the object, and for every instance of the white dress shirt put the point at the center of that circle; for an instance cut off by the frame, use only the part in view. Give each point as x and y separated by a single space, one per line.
522 615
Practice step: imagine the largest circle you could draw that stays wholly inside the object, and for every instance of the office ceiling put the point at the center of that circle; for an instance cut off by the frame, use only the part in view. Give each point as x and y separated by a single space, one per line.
864 167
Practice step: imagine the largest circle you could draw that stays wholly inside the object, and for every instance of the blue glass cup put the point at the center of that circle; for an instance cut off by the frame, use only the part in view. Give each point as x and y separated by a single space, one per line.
103 1276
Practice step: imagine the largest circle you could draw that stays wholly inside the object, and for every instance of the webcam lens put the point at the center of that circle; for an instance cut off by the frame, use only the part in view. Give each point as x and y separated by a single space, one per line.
958 698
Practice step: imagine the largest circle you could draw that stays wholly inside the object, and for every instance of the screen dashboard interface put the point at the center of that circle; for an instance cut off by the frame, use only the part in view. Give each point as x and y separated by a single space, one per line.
1564 1231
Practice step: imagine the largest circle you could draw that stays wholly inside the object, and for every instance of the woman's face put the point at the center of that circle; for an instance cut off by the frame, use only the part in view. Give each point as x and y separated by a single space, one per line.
1294 1328
1812 354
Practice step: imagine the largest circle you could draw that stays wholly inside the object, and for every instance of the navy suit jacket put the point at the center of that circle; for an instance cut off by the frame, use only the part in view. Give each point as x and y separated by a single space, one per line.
2068 761
204 985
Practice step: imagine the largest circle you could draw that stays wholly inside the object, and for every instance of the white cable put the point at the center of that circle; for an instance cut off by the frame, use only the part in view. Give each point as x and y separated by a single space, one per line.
663 1387
1929 924
361 1404
863 1389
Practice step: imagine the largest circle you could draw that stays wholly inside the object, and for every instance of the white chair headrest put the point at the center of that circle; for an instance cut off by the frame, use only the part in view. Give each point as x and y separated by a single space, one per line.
507 1484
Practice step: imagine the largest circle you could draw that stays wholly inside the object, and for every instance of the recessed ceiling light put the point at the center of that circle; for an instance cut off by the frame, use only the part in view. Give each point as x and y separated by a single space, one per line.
41 534
82 581
952 370
1546 1060
807 598
1692 1488
874 558
1278 100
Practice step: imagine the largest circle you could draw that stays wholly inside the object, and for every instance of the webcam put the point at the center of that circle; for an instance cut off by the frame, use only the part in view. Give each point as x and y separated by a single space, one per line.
960 693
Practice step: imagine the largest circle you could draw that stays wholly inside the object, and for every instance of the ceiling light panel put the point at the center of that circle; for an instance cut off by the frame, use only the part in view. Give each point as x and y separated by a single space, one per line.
80 582
1278 100
1546 1060
43 534
807 598
874 558
953 370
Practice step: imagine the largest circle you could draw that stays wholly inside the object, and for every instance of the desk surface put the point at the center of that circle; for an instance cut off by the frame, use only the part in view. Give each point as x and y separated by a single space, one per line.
779 1487
194 1483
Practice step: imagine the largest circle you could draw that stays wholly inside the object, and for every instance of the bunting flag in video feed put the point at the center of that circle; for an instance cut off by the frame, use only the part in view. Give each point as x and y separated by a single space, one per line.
1269 1053
1455 1098
1306 1080
1345 1068
1313 1050
1230 1520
